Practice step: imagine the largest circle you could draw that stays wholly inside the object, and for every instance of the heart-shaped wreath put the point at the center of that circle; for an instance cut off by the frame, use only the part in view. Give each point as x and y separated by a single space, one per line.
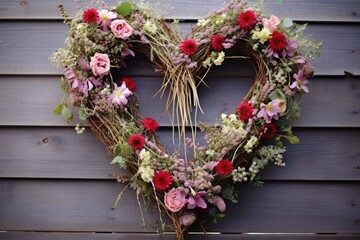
101 38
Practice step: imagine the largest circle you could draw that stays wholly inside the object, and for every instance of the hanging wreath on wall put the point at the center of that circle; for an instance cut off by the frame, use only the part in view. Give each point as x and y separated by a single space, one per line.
101 38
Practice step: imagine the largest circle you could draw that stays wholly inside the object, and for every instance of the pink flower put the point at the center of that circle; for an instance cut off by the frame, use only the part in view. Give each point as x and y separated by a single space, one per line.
105 18
175 199
270 110
271 23
187 219
119 95
196 200
290 48
121 29
300 81
218 202
100 64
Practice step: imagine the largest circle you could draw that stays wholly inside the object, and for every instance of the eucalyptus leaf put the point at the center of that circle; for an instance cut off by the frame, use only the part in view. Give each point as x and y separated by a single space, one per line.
278 1
120 161
63 84
82 114
277 94
124 9
58 109
66 113
287 22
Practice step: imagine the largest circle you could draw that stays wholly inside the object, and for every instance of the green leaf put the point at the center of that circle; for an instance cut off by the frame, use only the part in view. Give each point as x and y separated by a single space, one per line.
63 84
294 140
287 22
220 215
66 113
124 9
82 114
58 109
277 94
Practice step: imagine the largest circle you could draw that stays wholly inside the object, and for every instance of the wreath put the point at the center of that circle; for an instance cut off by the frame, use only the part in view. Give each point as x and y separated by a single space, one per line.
101 38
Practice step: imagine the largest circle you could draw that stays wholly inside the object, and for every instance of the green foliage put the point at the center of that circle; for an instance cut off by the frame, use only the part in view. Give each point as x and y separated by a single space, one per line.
120 161
287 22
82 114
58 109
66 113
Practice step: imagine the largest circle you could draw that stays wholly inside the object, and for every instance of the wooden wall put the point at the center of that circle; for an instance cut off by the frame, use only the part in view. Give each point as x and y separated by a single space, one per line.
55 185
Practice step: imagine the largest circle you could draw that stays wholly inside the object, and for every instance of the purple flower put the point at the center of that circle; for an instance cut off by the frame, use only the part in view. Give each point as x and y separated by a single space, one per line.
300 81
119 95
196 200
270 110
290 48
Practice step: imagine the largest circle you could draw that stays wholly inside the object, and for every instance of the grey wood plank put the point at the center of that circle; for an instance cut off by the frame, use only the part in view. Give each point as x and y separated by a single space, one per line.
307 10
169 236
322 107
293 207
323 154
31 40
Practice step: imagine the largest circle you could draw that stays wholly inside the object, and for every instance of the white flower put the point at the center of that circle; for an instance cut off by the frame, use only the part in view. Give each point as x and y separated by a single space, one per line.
220 58
202 22
262 36
144 155
147 173
250 144
150 27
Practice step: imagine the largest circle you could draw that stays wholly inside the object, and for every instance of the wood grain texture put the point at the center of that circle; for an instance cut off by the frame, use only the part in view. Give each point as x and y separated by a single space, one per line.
308 10
75 205
322 107
31 40
199 236
323 154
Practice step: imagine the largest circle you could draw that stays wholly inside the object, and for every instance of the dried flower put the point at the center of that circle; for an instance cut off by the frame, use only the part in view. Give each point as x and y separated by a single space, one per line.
247 20
130 83
217 42
224 167
150 124
188 47
244 111
136 141
90 16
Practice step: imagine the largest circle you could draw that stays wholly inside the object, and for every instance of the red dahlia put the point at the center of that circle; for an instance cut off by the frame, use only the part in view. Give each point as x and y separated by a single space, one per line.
188 47
162 180
268 131
150 124
217 41
136 141
129 82
244 111
224 167
247 20
277 41
91 15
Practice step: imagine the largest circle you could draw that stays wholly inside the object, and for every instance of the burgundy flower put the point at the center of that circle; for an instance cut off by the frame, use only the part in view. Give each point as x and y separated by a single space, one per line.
136 141
150 124
129 82
278 41
224 167
268 131
247 20
244 111
217 42
90 16
188 47
162 180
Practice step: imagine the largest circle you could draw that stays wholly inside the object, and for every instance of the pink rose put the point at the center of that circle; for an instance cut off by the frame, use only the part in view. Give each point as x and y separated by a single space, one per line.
100 64
271 23
175 199
121 29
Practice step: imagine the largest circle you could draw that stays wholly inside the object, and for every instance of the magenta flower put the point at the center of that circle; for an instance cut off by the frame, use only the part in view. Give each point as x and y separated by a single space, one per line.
196 200
300 81
119 95
269 111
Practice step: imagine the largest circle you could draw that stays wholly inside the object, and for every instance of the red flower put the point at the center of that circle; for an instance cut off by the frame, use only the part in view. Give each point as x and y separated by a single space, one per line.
278 41
244 111
188 47
268 131
136 141
247 19
217 41
162 180
224 167
91 15
130 83
150 124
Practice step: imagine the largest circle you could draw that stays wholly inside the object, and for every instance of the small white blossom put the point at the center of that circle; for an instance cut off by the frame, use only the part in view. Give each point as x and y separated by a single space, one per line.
250 144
